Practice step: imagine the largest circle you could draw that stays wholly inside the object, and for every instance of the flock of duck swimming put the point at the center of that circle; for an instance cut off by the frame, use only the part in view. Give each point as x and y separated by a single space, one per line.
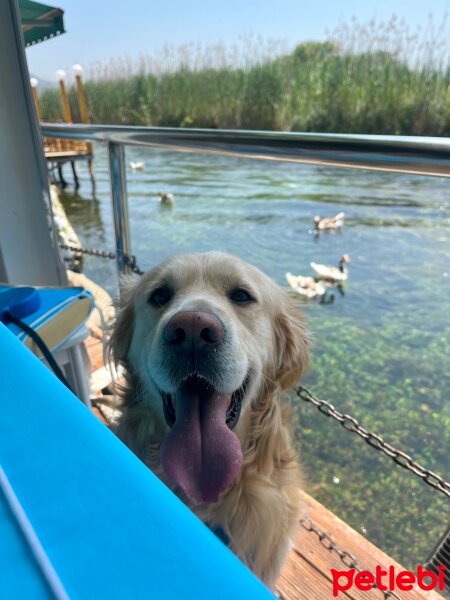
326 276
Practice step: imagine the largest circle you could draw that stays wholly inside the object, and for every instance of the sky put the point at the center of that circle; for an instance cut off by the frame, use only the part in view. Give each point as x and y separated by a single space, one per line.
98 30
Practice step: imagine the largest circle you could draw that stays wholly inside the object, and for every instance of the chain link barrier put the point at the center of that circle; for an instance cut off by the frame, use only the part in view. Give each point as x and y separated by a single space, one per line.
130 260
376 441
345 557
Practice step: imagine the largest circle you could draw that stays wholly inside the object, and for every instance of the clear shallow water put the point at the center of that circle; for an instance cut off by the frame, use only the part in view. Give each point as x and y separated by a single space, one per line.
380 352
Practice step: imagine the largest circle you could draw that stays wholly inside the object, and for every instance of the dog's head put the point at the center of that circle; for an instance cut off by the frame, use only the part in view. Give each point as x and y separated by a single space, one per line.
205 335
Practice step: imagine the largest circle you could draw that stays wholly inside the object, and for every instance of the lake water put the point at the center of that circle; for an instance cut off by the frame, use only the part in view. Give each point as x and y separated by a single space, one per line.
380 351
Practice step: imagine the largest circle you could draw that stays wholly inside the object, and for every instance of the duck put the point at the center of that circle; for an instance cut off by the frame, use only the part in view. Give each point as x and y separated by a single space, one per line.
165 198
137 166
305 286
329 223
328 273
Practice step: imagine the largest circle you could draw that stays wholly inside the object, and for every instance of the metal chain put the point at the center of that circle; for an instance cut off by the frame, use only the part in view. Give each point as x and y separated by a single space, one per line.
129 260
376 441
345 557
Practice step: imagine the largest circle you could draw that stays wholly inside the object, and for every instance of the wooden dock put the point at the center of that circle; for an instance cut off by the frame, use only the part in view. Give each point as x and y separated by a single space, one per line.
307 571
306 574
55 148
65 155
58 152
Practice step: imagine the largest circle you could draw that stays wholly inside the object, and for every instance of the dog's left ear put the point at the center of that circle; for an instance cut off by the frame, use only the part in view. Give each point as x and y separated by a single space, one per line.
291 343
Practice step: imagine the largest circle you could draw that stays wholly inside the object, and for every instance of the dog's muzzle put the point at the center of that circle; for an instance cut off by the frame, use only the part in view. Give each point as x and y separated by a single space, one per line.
200 454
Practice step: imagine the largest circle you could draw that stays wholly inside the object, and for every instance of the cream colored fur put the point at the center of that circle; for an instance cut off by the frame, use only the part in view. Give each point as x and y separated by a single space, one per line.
260 511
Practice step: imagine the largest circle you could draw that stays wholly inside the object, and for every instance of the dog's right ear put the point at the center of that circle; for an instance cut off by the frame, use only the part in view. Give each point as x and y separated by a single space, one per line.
122 329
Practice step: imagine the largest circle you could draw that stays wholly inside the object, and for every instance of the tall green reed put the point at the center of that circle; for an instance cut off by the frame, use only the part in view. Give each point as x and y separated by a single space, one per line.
375 77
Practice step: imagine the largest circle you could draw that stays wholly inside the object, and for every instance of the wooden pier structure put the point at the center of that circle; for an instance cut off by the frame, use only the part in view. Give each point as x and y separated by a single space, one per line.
58 151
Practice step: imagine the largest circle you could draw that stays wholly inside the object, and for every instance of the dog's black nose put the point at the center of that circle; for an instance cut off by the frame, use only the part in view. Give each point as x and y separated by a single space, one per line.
193 330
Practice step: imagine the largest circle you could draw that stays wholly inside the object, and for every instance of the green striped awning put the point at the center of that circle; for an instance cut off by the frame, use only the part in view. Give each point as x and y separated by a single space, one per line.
39 21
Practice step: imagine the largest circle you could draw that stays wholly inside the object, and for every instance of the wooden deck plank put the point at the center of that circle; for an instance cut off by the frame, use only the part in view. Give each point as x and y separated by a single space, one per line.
65 155
296 582
309 551
367 554
300 580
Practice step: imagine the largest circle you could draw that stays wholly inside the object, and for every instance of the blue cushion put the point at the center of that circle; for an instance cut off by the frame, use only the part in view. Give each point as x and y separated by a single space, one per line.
110 528
67 308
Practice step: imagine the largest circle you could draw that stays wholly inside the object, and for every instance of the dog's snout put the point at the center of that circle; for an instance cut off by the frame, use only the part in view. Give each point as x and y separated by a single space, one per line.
193 329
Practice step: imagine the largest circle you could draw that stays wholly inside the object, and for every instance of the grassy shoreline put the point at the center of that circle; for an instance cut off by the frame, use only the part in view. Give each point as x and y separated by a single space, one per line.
312 89
373 79
317 87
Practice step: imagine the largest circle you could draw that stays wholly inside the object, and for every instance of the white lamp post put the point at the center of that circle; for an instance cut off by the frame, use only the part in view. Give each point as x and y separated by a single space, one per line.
77 70
61 78
60 75
34 85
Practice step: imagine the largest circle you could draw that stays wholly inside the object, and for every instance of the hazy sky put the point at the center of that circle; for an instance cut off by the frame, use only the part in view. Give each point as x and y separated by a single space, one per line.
101 29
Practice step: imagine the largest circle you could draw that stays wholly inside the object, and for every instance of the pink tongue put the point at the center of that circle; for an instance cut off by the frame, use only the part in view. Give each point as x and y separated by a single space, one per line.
201 455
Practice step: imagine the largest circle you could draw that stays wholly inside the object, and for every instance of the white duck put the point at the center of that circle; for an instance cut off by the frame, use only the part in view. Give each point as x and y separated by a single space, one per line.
165 198
328 273
330 223
305 286
137 166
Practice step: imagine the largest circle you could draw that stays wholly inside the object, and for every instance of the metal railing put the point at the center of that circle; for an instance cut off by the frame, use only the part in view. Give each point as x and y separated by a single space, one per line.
398 154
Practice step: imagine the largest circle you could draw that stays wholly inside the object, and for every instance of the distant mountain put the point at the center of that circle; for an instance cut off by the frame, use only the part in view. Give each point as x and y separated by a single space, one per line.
43 83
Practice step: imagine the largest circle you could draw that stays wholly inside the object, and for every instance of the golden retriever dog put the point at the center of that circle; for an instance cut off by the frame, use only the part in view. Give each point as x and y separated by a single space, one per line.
209 345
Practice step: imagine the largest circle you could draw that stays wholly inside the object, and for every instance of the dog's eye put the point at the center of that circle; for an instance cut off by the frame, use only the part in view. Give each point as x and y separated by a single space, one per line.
160 296
240 296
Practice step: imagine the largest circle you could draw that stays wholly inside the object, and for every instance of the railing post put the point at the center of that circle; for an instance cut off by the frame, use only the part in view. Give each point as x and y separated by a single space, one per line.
119 205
